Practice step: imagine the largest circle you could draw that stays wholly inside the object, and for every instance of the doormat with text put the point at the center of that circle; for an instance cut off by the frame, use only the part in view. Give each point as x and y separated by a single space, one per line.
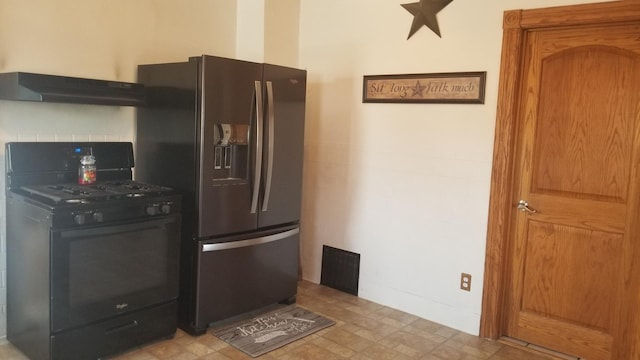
269 331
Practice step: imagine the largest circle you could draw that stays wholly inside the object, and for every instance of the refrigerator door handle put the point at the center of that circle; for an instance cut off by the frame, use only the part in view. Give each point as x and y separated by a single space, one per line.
271 124
249 242
258 168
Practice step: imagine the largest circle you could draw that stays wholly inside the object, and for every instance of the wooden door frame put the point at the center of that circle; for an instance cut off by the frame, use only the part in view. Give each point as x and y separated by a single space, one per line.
516 25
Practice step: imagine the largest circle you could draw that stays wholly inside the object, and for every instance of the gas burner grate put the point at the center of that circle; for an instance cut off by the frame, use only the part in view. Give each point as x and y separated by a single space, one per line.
104 191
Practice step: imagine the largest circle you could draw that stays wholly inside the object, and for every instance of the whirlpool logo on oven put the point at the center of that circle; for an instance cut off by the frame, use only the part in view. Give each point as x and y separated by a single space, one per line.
121 306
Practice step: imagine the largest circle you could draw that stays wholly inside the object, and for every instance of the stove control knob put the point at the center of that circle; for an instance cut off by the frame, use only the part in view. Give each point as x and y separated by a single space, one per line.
98 216
79 219
152 210
165 209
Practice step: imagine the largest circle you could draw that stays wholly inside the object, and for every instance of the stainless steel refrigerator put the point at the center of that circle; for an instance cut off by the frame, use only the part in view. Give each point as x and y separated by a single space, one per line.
228 134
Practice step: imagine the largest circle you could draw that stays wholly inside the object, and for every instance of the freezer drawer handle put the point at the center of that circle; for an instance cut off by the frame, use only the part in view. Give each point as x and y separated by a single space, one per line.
249 242
271 122
259 135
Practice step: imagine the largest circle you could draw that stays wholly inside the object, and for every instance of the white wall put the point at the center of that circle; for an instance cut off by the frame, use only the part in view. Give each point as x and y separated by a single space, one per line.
250 30
404 185
281 41
267 31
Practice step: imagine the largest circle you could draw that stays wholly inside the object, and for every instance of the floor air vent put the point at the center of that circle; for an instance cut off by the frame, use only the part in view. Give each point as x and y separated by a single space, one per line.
340 269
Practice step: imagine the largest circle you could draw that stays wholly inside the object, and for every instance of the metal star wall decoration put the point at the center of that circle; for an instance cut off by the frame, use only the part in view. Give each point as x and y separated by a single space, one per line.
424 13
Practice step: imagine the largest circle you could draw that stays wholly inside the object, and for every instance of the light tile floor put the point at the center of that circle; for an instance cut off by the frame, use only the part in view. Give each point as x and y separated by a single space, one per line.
364 330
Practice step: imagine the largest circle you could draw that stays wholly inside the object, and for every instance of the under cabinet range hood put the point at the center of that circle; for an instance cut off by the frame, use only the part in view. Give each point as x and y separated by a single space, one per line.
24 86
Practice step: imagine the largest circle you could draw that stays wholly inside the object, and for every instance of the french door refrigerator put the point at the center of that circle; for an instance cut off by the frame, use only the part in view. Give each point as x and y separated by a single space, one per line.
228 134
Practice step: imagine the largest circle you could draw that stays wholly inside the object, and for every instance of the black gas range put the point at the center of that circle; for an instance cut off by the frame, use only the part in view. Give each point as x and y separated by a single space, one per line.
92 269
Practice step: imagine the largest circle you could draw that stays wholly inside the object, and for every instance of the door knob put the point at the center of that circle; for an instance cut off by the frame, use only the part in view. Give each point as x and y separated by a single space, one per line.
524 207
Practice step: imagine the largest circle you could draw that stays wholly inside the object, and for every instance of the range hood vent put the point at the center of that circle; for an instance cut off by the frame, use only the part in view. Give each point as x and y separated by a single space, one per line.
25 86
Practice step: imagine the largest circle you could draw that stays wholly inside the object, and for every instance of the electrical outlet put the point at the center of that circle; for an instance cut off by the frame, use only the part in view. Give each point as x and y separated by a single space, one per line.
465 282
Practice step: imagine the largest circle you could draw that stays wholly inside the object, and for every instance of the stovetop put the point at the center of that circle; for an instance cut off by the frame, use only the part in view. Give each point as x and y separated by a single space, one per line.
42 183
72 193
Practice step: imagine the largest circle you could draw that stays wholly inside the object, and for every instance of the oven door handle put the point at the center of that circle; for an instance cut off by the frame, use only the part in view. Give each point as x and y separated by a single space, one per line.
118 228
249 242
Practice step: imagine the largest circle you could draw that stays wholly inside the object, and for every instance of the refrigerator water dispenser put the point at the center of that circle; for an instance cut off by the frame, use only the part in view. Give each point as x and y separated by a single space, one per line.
231 150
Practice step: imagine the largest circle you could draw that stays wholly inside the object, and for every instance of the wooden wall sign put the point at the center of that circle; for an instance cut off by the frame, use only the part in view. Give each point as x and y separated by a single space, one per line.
445 88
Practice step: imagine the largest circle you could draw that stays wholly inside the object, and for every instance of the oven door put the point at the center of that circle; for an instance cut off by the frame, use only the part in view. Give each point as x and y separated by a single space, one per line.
101 271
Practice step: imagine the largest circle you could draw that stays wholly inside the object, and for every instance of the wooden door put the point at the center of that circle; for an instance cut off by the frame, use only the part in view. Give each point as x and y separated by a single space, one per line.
580 111
570 275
